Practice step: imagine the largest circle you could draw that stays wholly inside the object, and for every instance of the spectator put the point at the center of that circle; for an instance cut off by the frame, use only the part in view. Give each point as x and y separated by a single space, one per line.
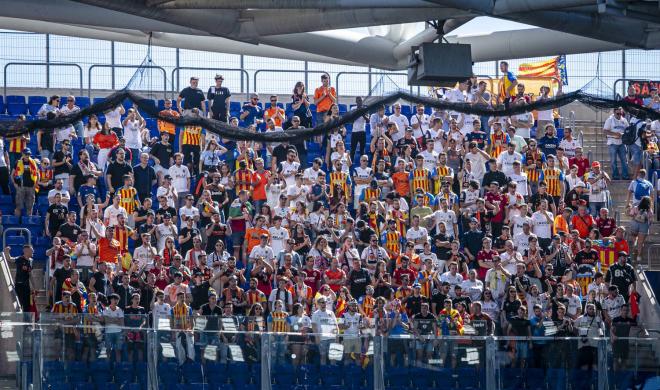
191 97
614 128
621 275
324 97
642 215
219 97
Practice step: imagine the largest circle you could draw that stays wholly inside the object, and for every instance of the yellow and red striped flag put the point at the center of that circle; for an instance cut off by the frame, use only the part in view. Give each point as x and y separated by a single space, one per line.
546 68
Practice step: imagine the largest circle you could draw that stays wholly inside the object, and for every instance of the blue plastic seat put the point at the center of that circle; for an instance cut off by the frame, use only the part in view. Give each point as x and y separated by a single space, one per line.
35 103
192 373
6 199
82 101
35 220
98 100
15 240
16 105
2 105
10 220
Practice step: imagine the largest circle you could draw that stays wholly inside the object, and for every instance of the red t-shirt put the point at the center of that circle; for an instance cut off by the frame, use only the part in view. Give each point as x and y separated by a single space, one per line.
486 257
336 274
491 197
312 279
582 164
606 226
260 180
583 224
399 272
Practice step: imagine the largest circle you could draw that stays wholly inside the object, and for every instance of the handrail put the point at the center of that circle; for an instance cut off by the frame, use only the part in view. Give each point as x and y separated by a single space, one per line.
368 74
648 255
46 64
256 73
95 66
243 72
654 181
5 264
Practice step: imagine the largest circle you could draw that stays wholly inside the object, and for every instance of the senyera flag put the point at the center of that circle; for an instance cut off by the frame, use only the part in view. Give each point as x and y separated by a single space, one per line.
554 67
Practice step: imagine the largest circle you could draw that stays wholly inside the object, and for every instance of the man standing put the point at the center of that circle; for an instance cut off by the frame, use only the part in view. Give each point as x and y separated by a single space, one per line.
23 280
621 274
614 128
145 177
191 97
219 98
507 84
324 97
26 177
359 133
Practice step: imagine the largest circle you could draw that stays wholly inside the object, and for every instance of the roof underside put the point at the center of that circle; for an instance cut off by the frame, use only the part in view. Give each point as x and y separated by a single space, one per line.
314 29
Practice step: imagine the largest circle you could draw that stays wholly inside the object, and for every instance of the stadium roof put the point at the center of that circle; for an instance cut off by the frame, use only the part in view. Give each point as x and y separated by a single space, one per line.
315 30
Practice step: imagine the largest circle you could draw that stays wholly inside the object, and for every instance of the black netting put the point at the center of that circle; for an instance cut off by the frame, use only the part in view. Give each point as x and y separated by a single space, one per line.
146 106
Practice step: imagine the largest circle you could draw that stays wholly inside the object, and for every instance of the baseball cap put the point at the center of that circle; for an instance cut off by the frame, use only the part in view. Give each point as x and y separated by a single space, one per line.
473 219
623 253
595 164
168 177
219 76
580 184
27 151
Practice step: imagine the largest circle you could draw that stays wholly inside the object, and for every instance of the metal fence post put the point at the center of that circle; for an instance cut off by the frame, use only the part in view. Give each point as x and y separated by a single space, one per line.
379 364
369 70
152 359
492 368
112 68
307 78
623 70
47 61
603 378
265 361
37 360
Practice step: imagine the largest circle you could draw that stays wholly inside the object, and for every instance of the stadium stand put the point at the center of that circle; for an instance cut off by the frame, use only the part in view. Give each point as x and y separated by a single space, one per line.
387 254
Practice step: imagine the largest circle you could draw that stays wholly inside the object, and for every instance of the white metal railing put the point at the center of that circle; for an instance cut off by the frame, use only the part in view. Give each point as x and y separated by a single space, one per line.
9 281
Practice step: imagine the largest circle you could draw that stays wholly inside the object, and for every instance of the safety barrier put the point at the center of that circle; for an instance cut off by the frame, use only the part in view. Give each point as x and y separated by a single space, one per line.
91 68
177 71
9 281
305 72
47 65
654 181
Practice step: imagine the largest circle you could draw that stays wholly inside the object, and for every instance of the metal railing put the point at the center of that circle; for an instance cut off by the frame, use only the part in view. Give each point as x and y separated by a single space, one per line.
304 72
370 74
98 66
654 181
652 249
47 65
176 71
9 280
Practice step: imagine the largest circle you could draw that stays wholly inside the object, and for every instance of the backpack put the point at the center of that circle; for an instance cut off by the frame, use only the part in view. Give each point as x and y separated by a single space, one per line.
630 134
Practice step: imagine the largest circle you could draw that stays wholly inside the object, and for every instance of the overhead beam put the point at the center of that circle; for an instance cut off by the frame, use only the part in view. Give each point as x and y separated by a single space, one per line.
503 7
291 4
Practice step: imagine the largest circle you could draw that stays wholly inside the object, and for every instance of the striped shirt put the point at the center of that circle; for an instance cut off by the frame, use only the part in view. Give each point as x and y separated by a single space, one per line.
277 320
121 235
128 199
182 316
192 135
553 177
421 178
243 178
342 179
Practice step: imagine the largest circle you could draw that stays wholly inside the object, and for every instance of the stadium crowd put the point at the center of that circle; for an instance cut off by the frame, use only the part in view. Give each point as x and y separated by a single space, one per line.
425 224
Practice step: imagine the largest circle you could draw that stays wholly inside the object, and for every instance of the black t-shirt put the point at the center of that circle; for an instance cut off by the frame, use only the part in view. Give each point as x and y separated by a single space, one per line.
218 96
442 253
519 326
465 300
134 316
510 308
589 258
280 152
60 276
439 299
143 178
163 153
47 141
424 323
622 326
118 170
498 176
79 179
70 231
358 281
60 156
57 217
145 228
536 199
218 233
211 316
161 212
200 294
193 98
100 282
414 304
23 270
188 245
524 281
555 304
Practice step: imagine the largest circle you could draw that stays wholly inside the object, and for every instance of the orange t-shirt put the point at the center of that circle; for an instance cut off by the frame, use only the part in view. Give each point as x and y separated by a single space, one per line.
621 246
583 224
166 126
401 182
325 103
270 113
561 225
260 180
108 250
253 237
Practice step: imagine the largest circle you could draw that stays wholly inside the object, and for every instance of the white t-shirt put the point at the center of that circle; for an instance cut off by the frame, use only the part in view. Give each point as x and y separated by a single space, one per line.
448 218
90 132
518 222
111 212
84 258
617 126
473 289
266 252
345 166
144 255
509 261
288 170
430 159
402 123
414 234
326 323
521 182
188 212
299 194
453 280
312 174
114 314
597 189
164 232
161 312
540 225
524 131
132 134
478 164
113 118
273 192
162 191
424 122
574 304
277 238
521 242
506 161
569 147
63 193
360 123
353 321
180 174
